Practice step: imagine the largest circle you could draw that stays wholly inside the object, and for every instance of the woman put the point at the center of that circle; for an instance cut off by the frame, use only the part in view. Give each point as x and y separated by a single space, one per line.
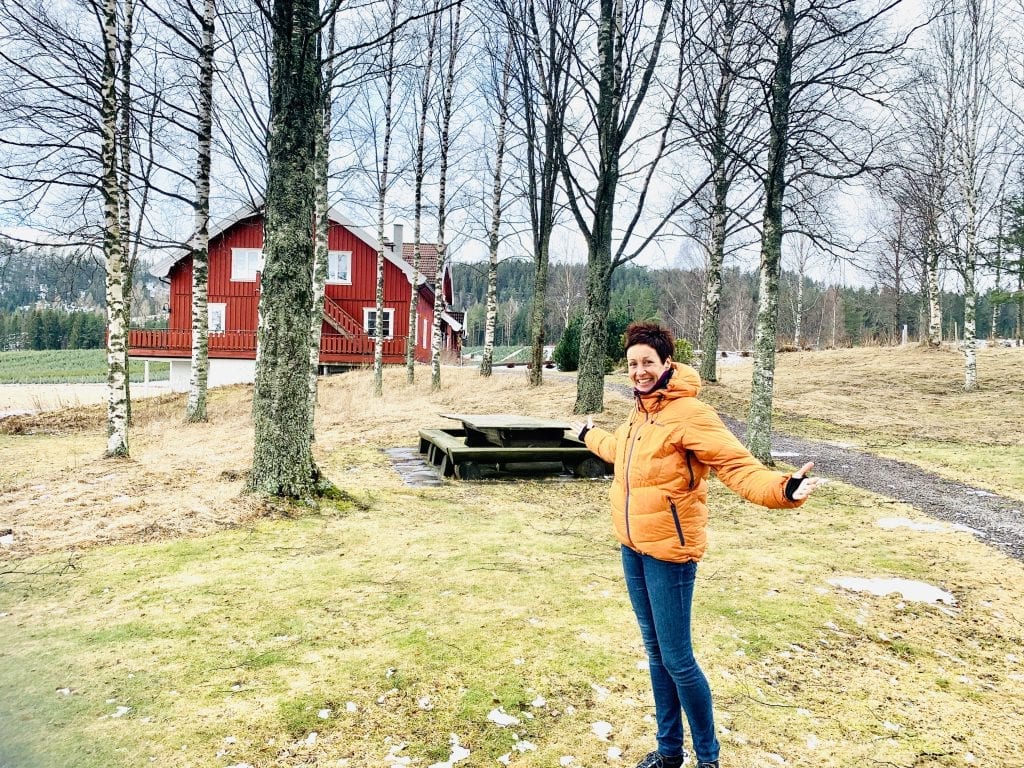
663 456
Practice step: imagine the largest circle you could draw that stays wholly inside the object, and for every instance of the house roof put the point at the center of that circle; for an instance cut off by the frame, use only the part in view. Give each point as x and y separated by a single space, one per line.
428 259
163 267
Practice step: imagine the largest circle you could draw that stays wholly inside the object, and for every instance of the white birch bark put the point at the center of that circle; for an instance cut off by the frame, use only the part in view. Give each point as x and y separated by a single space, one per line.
437 340
124 163
494 234
382 190
195 409
321 214
421 136
117 380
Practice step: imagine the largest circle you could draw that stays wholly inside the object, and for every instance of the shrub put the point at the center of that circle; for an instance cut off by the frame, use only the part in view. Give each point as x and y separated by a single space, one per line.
683 352
567 352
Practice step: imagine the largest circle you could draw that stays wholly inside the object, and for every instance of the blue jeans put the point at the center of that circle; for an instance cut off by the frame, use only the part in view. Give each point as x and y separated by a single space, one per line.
661 594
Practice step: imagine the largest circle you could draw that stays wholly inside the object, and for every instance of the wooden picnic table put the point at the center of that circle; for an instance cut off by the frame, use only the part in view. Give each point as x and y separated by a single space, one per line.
497 440
510 430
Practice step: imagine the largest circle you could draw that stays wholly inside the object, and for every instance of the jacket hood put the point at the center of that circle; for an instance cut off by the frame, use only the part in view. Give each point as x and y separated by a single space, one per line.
684 382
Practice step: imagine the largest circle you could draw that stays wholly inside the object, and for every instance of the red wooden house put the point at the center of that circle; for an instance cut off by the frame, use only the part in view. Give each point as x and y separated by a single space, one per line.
349 305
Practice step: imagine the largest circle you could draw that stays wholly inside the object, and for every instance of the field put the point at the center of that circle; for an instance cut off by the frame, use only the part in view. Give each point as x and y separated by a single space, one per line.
153 614
66 366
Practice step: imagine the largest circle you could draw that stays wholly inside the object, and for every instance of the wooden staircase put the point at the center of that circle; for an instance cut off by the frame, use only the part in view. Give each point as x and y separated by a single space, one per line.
340 320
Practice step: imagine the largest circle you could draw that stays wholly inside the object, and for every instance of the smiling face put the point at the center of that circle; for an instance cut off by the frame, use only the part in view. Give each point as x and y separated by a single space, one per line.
645 367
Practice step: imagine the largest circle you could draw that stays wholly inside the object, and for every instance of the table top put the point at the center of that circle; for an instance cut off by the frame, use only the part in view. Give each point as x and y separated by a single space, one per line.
506 421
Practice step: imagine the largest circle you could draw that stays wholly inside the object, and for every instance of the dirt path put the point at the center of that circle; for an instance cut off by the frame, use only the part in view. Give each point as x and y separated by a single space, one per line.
995 520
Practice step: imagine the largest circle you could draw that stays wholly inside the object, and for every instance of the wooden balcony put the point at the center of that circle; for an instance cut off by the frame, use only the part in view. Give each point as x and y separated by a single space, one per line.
334 348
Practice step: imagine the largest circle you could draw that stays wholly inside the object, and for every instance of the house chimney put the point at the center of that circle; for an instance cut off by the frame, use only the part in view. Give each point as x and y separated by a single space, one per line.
398 241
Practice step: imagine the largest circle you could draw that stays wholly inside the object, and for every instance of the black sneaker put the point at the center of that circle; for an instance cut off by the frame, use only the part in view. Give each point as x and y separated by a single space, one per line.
707 764
658 760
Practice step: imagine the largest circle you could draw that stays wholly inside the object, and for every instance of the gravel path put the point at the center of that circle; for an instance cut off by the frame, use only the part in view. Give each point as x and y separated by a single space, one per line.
994 519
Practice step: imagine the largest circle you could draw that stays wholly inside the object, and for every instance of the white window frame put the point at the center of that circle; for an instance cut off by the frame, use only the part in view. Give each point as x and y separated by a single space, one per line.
214 309
426 335
245 263
390 325
339 257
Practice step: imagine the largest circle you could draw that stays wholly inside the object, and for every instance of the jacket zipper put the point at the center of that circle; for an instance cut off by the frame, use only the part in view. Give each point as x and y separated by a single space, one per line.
689 467
675 519
629 460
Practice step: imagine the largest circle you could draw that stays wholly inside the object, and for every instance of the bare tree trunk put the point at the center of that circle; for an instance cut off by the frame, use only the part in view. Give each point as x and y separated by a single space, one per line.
195 409
124 184
759 423
491 315
117 379
442 211
322 219
494 239
710 317
282 456
424 106
382 191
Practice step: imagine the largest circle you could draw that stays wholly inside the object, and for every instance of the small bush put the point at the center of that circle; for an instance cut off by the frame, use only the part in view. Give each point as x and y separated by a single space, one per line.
683 352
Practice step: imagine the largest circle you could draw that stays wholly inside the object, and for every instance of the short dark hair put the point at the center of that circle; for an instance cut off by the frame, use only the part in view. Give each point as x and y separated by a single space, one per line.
653 335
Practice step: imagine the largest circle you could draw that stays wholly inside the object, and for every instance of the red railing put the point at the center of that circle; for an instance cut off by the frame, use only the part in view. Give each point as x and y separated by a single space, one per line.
333 347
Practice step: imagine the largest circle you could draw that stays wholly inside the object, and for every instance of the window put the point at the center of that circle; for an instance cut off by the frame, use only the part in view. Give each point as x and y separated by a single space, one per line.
216 317
339 267
245 263
370 322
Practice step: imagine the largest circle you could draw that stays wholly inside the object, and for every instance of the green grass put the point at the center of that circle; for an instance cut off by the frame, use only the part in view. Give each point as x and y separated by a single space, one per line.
67 366
505 354
430 608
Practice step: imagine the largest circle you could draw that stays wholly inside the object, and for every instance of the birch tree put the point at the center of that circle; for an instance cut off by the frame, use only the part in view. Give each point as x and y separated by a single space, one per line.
452 28
615 61
494 230
538 35
967 39
321 172
719 46
117 332
200 244
424 95
827 62
388 75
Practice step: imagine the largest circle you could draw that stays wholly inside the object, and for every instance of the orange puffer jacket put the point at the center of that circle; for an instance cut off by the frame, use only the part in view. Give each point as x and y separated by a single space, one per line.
662 459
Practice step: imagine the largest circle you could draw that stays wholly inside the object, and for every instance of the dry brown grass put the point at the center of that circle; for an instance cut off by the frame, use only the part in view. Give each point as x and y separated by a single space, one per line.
888 394
58 493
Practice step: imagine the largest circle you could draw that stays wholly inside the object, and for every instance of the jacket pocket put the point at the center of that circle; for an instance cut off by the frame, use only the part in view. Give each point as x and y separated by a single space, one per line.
675 519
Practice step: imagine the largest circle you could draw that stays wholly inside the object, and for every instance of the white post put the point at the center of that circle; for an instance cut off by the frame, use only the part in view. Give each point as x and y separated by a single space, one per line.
145 375
903 341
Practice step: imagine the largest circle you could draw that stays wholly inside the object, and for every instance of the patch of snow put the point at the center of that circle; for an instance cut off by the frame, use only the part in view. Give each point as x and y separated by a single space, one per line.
812 741
525 746
980 493
600 691
916 591
890 523
643 665
230 740
121 711
458 753
501 718
614 753
784 454
775 758
518 662
602 729
540 701
311 739
425 703
565 761
324 714
351 707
